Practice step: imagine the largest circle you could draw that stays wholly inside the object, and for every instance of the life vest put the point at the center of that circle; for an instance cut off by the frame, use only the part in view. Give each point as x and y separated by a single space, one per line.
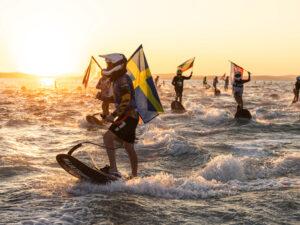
123 85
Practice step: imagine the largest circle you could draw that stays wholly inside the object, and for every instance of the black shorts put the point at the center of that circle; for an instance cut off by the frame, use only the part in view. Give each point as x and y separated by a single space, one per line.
179 91
126 129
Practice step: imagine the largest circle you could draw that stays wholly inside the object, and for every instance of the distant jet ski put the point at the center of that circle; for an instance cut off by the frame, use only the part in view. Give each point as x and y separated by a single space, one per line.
217 92
207 86
243 114
177 107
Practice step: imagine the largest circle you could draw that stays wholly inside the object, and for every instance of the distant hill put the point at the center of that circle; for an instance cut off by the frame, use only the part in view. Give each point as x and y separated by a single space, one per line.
17 75
25 75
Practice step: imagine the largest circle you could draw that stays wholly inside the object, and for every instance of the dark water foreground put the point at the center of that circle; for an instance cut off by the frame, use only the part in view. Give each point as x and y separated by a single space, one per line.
200 167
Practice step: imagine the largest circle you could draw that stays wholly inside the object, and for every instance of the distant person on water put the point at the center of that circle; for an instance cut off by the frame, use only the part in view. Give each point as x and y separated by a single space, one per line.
226 83
215 82
204 81
296 90
178 84
238 88
123 128
156 81
105 95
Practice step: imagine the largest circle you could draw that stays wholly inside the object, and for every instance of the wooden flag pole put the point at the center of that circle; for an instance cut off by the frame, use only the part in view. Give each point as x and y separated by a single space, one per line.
96 62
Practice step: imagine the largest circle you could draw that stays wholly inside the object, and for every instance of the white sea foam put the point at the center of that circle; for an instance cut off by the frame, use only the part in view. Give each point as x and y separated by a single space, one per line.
177 149
214 116
156 137
224 175
224 168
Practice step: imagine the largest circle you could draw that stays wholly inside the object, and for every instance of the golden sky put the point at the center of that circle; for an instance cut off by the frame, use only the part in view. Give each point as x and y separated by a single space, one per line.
51 37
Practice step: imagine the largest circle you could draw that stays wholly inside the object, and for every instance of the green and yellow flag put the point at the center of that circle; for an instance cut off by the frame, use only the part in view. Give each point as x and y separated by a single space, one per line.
186 65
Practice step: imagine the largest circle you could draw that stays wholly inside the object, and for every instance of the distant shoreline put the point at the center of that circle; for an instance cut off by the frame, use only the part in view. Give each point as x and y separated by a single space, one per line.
162 76
253 77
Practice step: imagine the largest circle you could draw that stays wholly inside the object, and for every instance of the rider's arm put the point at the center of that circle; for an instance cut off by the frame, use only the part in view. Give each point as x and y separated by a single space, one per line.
189 77
249 78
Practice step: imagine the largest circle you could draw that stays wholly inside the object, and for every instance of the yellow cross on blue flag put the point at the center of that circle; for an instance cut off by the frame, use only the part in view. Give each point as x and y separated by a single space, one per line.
146 97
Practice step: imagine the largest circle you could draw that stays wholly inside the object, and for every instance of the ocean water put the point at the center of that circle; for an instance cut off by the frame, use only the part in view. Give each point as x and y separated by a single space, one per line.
199 167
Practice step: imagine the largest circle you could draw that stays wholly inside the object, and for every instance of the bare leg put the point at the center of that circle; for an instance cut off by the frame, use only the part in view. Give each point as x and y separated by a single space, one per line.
239 101
129 147
108 139
105 108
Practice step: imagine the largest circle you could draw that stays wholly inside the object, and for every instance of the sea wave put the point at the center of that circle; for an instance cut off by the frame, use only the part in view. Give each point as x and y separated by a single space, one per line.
224 175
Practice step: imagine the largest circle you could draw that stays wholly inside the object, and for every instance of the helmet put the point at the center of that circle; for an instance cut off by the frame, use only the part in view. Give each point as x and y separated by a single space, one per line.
298 78
179 72
115 62
237 76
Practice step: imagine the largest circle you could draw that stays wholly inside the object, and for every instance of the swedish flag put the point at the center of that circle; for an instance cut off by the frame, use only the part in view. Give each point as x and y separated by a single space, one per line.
146 97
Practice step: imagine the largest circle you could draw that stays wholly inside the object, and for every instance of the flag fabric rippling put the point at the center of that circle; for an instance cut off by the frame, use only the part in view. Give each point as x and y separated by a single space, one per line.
92 72
147 99
186 65
235 68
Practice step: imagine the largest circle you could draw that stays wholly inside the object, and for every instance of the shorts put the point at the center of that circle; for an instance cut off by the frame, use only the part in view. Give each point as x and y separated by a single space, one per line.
238 92
126 129
179 91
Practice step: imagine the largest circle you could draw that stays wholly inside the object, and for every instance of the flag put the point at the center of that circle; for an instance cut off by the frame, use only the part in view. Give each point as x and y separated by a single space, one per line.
223 77
235 68
146 97
93 71
186 65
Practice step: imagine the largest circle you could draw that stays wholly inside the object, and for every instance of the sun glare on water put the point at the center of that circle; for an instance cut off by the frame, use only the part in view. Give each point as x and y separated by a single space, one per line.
47 82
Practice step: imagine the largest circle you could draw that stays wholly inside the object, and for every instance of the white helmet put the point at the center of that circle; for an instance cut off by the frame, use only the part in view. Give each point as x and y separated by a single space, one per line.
115 62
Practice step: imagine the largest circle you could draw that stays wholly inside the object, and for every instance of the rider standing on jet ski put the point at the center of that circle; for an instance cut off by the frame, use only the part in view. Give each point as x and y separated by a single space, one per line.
178 84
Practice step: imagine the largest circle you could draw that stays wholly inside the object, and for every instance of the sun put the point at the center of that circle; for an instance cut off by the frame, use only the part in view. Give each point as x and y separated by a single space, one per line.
44 51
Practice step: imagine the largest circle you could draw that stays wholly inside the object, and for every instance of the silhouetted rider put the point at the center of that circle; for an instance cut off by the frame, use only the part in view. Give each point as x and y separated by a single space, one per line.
178 84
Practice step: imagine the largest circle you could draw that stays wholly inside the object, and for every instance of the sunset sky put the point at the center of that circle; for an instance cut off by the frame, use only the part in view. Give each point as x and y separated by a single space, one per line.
51 37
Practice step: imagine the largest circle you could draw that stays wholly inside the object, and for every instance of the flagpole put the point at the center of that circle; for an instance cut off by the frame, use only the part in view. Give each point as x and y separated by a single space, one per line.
96 62
193 65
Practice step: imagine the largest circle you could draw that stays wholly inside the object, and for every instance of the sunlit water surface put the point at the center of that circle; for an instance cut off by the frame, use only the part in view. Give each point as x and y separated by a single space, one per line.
199 167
